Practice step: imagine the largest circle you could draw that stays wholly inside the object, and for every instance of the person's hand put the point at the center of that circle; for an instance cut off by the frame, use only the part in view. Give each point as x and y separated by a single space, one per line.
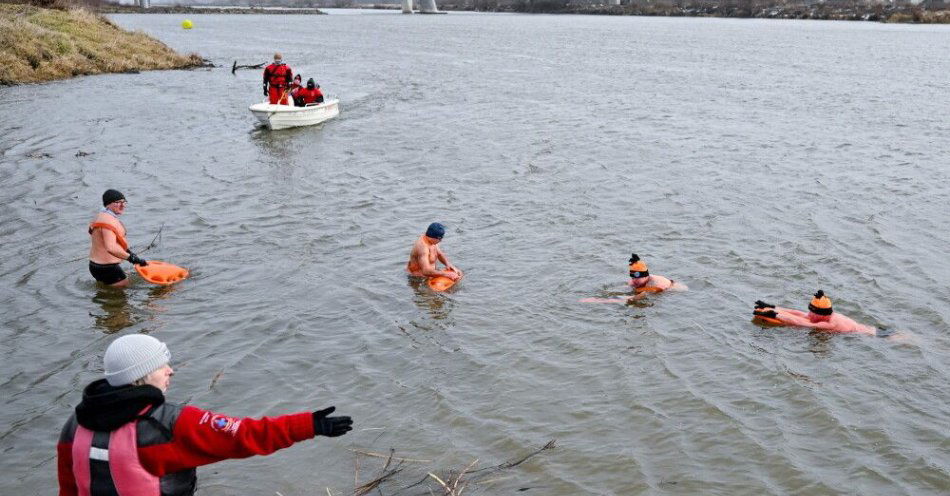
135 260
762 304
637 297
330 426
451 274
265 90
765 313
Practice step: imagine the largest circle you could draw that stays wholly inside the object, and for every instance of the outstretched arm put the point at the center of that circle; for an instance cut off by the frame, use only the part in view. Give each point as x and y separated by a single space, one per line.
792 311
792 318
201 437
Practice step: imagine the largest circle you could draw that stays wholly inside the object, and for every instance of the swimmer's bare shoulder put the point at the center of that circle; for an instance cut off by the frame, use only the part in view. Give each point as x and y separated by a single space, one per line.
669 284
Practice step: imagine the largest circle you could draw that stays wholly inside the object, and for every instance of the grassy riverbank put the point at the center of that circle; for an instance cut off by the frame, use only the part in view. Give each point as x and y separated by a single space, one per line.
184 9
38 45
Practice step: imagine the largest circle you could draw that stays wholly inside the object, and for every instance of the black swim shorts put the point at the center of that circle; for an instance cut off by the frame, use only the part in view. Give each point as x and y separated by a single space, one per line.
106 273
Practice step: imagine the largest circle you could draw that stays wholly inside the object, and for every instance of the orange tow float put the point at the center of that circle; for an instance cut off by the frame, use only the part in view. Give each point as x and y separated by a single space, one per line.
441 283
158 272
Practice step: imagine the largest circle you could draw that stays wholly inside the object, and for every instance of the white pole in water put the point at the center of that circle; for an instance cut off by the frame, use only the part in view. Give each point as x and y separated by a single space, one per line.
406 6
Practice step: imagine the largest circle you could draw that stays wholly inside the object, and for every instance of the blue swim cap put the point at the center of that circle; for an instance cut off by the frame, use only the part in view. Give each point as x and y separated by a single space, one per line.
435 230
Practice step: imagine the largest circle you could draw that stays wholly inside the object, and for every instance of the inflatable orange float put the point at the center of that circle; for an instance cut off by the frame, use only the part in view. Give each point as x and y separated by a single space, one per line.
767 321
440 283
157 272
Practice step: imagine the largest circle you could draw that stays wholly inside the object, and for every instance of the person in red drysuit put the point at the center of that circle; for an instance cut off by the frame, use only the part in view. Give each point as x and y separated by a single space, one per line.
125 440
310 94
295 87
277 78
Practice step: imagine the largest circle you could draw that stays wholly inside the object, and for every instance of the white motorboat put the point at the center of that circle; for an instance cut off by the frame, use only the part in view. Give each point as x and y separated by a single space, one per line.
283 116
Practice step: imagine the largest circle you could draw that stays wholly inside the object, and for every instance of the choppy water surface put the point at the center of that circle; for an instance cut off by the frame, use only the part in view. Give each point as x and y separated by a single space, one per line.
748 159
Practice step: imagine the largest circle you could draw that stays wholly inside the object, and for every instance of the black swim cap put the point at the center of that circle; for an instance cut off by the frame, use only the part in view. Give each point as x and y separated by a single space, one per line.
435 230
111 196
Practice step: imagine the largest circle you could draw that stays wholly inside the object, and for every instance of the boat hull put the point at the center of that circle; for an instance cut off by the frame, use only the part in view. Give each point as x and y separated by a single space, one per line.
287 116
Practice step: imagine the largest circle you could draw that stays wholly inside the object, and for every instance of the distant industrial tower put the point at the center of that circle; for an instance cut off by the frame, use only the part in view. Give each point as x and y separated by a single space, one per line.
425 7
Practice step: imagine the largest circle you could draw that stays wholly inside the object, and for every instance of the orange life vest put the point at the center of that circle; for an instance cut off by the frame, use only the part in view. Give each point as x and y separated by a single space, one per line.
117 228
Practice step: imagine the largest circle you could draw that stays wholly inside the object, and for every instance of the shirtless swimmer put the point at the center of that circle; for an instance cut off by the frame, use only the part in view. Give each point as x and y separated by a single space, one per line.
820 315
109 246
426 252
644 283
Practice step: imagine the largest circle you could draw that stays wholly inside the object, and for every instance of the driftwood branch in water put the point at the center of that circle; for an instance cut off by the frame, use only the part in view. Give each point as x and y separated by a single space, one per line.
383 475
450 484
235 67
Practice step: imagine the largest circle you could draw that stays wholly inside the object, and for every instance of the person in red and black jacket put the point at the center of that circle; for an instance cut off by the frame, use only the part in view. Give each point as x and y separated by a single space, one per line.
295 86
125 440
310 94
277 78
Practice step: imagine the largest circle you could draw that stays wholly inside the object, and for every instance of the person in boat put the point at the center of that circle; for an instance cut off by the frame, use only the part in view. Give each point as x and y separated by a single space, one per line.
277 78
295 86
820 315
109 246
426 253
644 283
308 95
124 439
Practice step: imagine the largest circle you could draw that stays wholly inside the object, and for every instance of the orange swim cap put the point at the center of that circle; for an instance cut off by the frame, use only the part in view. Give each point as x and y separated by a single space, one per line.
638 268
820 304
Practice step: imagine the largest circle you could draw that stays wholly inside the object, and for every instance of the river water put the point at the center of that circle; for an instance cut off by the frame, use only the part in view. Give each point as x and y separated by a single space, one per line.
749 159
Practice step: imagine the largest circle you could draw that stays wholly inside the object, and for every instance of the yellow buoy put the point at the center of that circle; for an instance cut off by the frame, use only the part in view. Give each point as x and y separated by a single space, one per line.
187 24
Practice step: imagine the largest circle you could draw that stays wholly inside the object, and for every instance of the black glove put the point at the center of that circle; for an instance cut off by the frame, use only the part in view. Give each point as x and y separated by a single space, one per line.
265 90
330 426
762 304
134 259
766 313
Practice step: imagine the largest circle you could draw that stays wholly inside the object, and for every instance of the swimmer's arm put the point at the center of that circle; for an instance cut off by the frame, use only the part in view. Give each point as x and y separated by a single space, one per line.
792 311
792 319
111 244
638 296
427 268
445 261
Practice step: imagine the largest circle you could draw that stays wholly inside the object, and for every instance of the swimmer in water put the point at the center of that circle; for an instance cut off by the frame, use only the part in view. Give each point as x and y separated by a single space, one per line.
820 315
426 252
109 246
644 283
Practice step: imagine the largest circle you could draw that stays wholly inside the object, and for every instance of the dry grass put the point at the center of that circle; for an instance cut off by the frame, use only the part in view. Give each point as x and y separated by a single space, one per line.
395 476
919 16
38 45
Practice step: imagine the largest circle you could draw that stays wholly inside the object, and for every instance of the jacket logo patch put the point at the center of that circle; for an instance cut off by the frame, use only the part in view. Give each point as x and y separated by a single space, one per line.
221 423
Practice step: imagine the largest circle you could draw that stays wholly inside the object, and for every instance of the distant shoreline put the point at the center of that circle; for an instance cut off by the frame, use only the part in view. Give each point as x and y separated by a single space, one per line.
909 14
181 9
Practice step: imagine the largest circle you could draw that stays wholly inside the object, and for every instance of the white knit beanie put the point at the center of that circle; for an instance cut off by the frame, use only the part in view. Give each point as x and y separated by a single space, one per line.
133 357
